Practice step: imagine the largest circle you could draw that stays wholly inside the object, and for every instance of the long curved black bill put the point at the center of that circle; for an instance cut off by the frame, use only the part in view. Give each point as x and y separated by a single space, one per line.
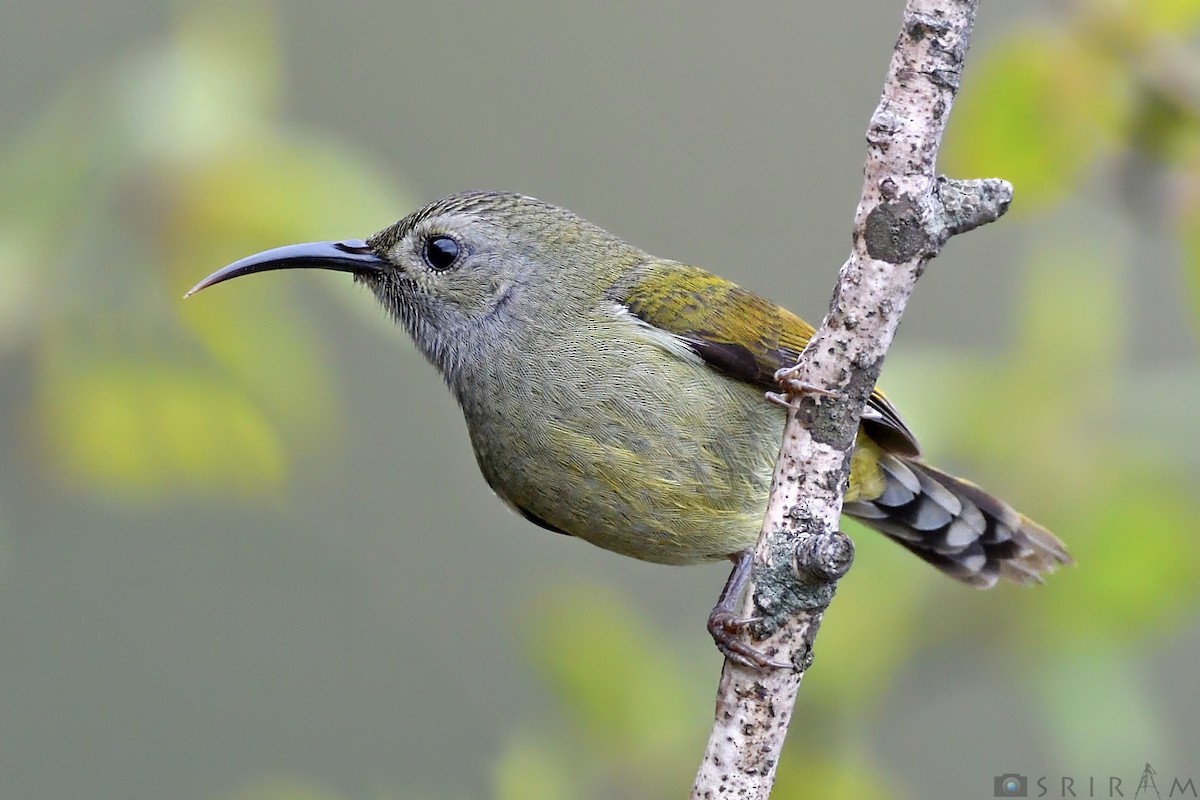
351 255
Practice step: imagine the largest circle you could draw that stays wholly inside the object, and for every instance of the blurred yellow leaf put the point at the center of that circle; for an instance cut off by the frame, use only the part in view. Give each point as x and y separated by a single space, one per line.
213 85
266 350
1136 552
527 769
280 189
137 427
253 197
1037 111
1163 16
631 693
833 774
135 183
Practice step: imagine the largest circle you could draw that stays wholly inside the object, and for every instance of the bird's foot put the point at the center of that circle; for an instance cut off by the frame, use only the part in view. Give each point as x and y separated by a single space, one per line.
731 635
794 387
730 632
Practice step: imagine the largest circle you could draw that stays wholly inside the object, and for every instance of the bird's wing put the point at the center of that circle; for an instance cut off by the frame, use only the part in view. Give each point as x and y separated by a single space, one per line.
741 335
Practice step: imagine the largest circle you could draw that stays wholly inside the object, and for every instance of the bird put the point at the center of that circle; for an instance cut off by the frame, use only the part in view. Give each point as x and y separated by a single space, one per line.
619 398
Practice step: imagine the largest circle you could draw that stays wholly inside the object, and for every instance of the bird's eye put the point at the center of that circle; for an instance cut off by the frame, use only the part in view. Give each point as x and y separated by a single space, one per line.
440 252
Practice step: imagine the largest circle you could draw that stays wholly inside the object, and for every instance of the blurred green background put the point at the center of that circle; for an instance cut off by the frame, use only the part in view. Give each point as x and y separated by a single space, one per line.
244 549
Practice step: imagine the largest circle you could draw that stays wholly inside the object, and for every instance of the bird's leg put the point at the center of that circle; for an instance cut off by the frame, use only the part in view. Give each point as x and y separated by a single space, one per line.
728 630
786 377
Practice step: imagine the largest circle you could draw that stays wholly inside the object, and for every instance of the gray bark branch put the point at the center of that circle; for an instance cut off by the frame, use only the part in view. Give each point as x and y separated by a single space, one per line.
905 215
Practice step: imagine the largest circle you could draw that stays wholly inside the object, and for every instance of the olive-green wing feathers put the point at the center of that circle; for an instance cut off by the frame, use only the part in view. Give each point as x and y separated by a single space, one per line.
741 335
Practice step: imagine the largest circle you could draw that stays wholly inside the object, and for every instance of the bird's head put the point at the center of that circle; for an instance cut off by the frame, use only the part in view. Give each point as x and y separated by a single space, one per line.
467 267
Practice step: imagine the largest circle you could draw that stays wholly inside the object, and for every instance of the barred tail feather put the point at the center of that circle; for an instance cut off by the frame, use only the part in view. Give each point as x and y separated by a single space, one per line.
956 526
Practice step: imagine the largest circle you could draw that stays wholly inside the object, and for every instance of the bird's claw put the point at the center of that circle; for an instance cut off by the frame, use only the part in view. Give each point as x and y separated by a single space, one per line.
729 633
794 387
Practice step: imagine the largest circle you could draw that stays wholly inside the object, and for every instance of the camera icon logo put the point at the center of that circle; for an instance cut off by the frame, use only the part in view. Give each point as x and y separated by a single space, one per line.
1010 784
